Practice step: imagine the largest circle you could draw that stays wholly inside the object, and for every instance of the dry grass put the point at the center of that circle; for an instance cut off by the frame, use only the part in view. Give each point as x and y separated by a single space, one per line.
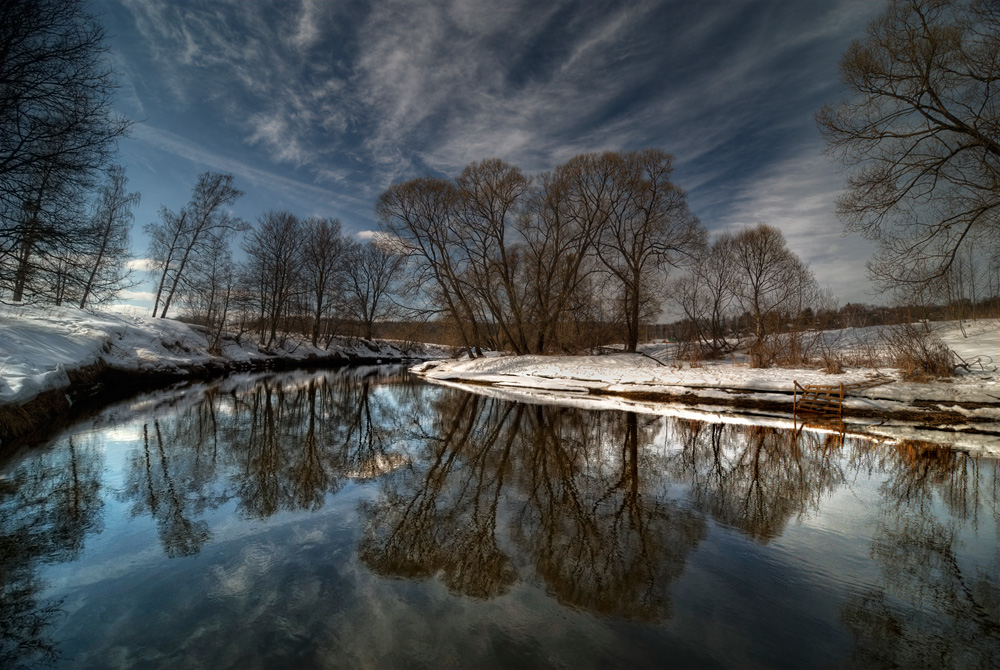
919 355
832 365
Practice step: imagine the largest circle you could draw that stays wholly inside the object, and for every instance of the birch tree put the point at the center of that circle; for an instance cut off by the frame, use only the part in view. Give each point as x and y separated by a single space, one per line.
111 225
179 238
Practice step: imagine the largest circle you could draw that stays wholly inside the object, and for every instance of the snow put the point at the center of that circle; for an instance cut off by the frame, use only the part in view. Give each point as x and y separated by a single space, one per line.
622 373
978 442
39 346
974 394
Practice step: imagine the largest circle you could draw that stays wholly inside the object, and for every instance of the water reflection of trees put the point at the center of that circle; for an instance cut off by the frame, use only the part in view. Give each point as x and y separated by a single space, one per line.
756 478
603 508
48 506
439 512
280 442
168 485
582 506
929 608
597 522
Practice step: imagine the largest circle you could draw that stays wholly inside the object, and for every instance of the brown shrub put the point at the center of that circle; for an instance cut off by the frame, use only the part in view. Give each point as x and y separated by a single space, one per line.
832 365
919 355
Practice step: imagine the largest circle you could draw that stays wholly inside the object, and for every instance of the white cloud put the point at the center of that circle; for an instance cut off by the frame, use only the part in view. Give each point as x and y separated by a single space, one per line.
174 144
798 195
140 264
307 30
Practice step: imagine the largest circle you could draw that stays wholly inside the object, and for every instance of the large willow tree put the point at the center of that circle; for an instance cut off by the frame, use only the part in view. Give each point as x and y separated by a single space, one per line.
526 264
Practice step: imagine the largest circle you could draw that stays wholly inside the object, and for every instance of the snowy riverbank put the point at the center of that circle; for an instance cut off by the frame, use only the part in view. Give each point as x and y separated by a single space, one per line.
45 351
969 401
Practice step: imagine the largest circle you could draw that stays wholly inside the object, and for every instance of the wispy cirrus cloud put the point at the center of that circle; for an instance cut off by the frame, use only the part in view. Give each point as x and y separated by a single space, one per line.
333 101
798 195
401 87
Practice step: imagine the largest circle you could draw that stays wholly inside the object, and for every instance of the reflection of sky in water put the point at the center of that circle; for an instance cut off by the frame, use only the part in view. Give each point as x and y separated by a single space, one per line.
592 538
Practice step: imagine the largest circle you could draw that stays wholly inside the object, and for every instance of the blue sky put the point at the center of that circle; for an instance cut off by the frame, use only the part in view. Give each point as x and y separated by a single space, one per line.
316 106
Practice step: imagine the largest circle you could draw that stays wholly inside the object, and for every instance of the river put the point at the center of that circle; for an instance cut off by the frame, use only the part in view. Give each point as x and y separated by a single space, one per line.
364 518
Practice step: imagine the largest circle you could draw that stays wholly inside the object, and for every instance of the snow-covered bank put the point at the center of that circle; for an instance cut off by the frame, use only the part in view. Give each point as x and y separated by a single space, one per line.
970 400
41 349
980 442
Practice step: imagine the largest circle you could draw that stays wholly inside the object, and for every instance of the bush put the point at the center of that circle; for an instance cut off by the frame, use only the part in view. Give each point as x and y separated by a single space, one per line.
919 355
832 365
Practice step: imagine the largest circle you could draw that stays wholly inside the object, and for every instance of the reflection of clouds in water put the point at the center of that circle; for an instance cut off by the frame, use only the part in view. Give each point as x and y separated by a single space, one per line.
256 560
125 433
524 627
604 501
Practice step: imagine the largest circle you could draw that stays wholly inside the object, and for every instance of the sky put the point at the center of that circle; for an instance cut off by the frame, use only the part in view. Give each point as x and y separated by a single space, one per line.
316 106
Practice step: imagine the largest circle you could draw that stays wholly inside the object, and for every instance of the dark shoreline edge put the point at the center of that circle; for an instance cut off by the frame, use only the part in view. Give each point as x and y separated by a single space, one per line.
94 387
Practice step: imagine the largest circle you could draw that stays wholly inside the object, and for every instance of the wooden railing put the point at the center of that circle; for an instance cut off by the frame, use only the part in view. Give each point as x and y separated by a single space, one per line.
818 398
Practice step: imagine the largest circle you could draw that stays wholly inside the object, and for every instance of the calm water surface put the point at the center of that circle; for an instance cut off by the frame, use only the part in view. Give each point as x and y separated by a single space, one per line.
361 518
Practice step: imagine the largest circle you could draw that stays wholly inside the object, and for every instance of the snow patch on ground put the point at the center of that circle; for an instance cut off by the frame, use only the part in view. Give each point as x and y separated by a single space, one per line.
619 373
39 346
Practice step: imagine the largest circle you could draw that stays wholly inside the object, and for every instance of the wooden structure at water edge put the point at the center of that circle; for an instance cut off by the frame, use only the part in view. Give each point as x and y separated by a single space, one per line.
818 398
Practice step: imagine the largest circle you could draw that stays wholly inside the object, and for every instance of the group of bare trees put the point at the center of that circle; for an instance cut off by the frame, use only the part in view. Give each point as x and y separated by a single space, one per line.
63 235
529 264
298 275
747 284
305 276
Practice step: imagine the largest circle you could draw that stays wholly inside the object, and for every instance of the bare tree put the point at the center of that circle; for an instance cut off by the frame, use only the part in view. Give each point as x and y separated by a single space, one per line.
274 249
706 294
512 263
57 129
771 283
649 227
211 288
178 239
111 225
562 221
420 214
372 272
490 195
922 134
324 250
37 233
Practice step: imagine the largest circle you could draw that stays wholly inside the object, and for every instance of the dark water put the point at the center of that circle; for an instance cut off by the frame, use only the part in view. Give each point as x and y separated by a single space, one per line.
364 519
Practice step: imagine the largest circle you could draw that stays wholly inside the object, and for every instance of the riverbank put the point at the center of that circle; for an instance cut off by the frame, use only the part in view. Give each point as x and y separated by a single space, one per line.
967 403
54 358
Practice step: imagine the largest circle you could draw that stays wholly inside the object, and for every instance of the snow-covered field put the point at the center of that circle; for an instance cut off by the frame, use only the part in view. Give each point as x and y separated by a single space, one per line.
40 346
973 395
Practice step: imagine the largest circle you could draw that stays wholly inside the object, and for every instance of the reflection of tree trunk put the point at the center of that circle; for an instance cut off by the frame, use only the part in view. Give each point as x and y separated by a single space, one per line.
264 497
77 509
180 535
445 519
150 492
310 478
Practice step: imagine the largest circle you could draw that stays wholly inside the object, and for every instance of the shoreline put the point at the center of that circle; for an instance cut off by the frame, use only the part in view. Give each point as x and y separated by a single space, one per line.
978 437
956 412
93 387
